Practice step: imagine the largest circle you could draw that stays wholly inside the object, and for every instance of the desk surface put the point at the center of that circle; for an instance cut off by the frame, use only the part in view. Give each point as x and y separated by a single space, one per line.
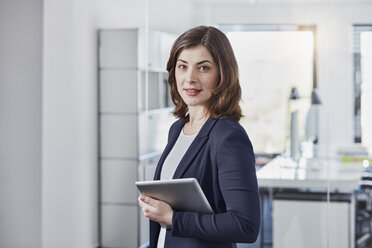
313 174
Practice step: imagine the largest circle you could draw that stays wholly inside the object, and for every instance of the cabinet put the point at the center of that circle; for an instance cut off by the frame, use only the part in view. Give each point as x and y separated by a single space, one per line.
134 119
308 224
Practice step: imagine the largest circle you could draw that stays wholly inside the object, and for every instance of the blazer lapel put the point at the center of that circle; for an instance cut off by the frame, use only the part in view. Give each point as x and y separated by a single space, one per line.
194 148
173 136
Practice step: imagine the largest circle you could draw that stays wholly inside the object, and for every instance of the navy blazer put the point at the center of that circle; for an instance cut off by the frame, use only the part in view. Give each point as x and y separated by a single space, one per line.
221 158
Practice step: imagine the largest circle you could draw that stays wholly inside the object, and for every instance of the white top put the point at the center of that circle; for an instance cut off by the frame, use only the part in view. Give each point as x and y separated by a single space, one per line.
170 165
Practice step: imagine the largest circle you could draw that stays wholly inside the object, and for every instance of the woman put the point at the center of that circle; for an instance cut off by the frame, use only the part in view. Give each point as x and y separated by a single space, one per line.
206 143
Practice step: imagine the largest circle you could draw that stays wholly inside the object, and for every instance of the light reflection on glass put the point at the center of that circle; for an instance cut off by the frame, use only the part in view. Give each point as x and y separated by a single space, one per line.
270 64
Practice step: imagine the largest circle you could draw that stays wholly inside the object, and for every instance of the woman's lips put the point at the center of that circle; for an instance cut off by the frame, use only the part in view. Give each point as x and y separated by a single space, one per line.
192 92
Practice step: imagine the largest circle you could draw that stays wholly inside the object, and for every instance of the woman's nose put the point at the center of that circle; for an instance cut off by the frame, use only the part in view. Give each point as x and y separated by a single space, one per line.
190 76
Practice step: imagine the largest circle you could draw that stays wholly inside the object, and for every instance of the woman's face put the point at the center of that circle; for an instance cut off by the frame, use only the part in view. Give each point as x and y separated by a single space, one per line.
196 75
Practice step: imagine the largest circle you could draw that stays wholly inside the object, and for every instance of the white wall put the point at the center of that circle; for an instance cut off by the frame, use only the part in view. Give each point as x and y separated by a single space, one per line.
20 123
121 13
162 15
175 16
69 176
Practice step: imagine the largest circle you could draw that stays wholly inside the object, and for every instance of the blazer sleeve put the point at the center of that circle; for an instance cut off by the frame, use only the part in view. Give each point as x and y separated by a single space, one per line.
238 185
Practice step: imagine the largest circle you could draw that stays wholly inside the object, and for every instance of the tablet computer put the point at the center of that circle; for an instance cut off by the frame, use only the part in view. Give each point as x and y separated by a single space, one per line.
182 194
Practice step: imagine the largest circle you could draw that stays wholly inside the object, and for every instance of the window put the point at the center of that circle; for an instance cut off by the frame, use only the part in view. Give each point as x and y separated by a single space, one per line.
362 84
272 59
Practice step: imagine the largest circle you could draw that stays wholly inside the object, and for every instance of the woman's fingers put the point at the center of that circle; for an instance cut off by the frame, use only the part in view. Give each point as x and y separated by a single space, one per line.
156 210
149 211
149 200
145 205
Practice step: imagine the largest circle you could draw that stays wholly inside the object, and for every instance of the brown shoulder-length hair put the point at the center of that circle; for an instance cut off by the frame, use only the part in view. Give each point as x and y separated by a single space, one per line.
226 96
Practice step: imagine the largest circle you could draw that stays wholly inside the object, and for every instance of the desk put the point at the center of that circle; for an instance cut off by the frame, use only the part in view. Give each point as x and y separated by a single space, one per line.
314 174
301 215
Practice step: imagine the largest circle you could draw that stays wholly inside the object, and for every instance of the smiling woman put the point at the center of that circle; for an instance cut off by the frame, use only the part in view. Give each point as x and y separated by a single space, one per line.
206 143
215 56
196 76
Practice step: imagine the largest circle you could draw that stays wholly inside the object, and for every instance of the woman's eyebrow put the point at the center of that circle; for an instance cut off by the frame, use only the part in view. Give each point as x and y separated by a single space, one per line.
184 61
204 61
201 62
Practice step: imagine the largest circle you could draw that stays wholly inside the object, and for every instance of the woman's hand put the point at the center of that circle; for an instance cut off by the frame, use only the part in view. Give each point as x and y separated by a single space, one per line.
155 210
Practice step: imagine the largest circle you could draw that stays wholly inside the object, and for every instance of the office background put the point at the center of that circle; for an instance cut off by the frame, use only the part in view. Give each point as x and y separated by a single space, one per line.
49 97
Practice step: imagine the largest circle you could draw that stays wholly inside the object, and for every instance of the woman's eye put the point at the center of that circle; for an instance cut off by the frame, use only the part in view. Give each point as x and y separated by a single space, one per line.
204 68
181 66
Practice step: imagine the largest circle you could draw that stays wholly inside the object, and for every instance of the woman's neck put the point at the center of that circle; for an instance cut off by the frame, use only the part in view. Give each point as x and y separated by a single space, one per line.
197 117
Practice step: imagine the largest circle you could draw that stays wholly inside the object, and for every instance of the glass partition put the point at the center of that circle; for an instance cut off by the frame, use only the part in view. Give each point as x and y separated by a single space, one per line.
304 70
295 64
